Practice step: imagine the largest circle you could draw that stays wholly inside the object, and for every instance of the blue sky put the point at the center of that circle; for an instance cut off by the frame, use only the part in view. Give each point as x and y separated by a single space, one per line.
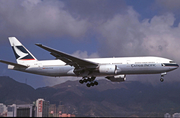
90 28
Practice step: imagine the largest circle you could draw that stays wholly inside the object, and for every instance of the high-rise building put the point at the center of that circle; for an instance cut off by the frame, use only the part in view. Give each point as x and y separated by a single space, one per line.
11 110
45 112
167 115
3 109
176 115
25 110
42 108
52 110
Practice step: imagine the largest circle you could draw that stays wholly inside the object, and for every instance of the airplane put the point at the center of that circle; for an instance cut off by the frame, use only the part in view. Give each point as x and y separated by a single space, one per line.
114 69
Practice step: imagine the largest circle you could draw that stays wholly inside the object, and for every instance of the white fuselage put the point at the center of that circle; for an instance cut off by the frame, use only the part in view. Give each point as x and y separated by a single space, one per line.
125 65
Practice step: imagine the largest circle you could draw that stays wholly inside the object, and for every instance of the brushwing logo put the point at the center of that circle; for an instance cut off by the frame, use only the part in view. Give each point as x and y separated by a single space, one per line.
21 53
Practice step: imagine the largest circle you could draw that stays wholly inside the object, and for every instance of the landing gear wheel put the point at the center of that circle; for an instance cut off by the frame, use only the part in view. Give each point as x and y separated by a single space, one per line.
161 79
81 81
95 83
88 85
85 80
89 79
93 78
92 84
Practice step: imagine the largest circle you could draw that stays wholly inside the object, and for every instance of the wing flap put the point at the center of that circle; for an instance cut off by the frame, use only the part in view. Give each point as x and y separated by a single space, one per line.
69 59
14 64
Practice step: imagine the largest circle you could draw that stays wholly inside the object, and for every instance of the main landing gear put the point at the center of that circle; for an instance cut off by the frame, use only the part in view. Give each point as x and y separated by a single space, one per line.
90 81
162 76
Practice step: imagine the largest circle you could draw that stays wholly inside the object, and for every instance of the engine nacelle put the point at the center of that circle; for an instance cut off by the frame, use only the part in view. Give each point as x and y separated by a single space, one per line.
108 69
117 78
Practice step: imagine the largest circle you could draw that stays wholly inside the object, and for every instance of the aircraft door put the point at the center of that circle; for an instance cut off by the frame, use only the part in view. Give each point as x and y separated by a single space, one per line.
128 61
40 65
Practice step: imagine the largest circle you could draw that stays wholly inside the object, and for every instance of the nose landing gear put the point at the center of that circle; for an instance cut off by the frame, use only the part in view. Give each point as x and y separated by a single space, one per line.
162 79
162 76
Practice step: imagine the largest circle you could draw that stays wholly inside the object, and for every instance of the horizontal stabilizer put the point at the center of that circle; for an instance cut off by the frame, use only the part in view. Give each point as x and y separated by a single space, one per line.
14 64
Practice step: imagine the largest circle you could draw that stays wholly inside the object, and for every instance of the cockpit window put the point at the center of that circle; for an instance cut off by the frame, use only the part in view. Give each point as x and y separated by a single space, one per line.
171 62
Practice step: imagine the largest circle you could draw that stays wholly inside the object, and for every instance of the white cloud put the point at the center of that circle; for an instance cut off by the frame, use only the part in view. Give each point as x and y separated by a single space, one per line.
161 38
168 4
39 18
29 4
121 34
84 54
128 36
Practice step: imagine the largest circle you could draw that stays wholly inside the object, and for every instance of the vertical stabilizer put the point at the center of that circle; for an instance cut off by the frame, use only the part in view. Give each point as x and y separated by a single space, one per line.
21 53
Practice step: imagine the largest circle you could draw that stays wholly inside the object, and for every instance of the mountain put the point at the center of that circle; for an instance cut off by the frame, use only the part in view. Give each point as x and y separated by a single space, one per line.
118 99
12 91
106 99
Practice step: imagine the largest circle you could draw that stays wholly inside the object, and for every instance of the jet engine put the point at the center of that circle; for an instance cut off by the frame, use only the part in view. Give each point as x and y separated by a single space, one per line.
117 78
108 69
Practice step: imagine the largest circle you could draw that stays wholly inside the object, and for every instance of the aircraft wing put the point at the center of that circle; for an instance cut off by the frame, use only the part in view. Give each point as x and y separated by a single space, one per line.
69 59
14 64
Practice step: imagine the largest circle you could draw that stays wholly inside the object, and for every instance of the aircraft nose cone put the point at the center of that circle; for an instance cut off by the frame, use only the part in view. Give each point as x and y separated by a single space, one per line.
177 66
171 66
